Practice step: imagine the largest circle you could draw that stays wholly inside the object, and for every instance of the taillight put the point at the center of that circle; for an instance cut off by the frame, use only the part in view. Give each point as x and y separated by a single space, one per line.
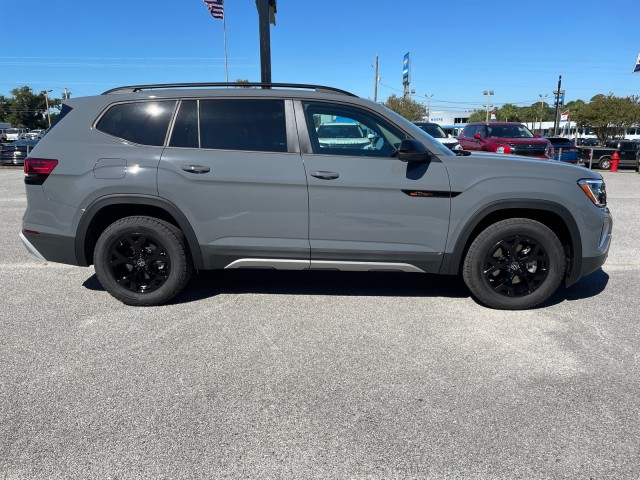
37 170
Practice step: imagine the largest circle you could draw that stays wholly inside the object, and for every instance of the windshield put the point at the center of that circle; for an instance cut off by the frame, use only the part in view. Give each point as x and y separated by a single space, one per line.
509 131
432 129
340 131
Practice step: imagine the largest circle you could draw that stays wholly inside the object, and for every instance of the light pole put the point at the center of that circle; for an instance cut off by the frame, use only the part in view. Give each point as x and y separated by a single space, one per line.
542 109
488 93
429 107
46 98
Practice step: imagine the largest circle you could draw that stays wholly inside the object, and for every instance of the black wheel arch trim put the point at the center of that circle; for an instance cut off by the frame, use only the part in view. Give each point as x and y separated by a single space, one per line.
452 261
143 200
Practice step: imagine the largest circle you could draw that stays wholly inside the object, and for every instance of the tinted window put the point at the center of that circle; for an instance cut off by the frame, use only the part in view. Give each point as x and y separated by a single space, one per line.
432 129
139 122
185 129
343 130
255 125
509 131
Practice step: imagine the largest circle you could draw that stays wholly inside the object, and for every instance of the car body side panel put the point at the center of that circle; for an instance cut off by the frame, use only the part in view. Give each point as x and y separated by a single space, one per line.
498 183
246 204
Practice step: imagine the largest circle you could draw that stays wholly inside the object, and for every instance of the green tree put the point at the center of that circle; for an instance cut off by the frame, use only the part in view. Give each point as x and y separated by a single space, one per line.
407 107
4 108
510 113
478 116
609 115
25 108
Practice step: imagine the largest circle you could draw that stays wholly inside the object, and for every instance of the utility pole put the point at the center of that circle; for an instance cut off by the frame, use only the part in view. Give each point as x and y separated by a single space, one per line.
46 99
488 93
266 15
375 88
265 40
541 109
557 93
429 107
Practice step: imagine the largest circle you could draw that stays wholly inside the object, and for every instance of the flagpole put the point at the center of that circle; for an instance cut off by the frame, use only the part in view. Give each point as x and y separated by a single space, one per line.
224 29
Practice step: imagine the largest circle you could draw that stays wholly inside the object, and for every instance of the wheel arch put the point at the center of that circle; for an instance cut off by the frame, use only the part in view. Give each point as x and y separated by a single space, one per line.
106 210
555 216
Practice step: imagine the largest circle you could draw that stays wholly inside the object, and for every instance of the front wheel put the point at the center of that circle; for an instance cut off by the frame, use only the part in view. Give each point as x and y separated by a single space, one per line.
142 260
514 264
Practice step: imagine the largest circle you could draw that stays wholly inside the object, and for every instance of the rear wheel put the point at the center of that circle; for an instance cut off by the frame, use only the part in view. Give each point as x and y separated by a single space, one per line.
514 264
142 260
605 163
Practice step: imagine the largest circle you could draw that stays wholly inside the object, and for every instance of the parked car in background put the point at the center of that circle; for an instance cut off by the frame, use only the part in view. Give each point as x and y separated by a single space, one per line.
36 134
343 135
438 133
3 135
13 134
588 142
563 149
16 152
504 137
601 156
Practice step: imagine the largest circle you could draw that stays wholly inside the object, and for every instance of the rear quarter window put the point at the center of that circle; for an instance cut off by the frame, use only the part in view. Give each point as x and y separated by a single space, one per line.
145 123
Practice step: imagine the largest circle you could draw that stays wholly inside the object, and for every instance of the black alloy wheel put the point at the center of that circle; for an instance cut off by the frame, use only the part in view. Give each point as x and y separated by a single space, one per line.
142 260
139 262
514 264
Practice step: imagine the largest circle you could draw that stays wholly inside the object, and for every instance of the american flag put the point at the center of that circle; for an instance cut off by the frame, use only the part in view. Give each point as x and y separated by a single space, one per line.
216 8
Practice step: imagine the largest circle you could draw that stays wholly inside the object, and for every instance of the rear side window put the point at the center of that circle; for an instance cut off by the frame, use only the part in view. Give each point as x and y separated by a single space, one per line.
185 129
145 123
243 124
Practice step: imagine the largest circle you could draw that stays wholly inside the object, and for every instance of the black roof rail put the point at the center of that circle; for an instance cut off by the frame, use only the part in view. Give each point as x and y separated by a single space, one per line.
139 88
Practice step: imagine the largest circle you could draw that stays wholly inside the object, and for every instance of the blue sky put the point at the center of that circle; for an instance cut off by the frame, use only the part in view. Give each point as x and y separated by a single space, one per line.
458 49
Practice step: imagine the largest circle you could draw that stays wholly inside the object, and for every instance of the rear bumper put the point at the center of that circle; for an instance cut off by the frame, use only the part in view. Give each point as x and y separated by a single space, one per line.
52 248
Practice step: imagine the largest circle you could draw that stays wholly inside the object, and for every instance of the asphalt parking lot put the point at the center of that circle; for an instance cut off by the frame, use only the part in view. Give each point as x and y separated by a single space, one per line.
306 375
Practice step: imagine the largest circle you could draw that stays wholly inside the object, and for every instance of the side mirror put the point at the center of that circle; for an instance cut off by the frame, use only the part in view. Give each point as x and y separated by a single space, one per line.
413 151
477 136
538 135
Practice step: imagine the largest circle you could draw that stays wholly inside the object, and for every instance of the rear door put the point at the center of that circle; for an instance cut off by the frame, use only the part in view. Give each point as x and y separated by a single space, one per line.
367 209
233 167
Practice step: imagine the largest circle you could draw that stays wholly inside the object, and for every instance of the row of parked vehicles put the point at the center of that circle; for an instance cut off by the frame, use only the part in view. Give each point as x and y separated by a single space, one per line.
8 135
17 143
515 138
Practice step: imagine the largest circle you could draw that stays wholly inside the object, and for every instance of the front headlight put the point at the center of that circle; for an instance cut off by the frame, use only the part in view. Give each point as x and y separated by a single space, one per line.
595 190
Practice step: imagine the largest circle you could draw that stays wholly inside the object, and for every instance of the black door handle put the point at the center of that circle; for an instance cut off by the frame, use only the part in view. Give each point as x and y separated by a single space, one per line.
325 175
195 169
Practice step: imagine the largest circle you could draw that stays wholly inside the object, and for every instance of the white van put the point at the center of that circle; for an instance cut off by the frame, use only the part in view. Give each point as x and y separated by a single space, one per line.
13 134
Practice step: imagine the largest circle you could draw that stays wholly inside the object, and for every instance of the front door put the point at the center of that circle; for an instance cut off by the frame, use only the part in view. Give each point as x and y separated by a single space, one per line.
367 209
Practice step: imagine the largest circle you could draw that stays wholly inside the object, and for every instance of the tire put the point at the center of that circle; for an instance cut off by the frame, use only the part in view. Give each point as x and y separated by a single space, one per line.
514 264
142 261
604 163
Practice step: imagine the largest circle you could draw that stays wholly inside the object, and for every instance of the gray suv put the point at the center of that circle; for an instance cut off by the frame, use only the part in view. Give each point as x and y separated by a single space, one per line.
151 182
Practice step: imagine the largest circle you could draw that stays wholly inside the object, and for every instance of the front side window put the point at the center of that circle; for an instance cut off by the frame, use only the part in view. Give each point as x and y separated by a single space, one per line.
243 124
345 130
145 123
